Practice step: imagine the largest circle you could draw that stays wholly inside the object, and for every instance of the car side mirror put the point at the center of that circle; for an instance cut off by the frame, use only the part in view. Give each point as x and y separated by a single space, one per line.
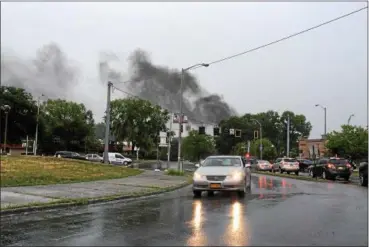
248 166
197 165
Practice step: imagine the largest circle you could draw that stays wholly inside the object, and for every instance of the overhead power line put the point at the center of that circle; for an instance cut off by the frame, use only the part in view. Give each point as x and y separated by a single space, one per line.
287 37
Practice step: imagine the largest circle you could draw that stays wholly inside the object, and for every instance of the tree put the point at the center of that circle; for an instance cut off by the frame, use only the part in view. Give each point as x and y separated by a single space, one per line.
196 146
68 125
137 121
350 142
22 115
269 150
273 126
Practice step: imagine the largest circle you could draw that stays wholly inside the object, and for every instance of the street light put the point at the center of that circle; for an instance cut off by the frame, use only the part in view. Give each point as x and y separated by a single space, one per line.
6 109
349 119
181 108
260 138
37 120
325 118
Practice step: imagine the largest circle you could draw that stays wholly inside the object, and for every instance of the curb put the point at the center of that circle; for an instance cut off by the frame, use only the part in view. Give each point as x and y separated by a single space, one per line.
81 202
352 181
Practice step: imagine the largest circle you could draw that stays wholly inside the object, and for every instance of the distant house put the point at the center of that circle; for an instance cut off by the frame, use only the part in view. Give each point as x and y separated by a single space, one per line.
306 147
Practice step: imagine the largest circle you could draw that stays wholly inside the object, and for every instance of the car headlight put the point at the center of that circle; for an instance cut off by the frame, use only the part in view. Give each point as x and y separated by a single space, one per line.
237 176
197 176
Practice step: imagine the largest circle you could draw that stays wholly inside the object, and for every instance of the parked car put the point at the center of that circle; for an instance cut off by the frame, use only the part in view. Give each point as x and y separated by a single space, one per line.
334 167
287 165
118 159
263 165
222 173
69 155
94 158
304 164
363 173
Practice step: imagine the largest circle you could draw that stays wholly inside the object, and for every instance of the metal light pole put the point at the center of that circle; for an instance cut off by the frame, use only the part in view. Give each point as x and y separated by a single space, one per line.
349 119
288 137
170 139
107 124
6 109
35 142
181 109
325 118
260 138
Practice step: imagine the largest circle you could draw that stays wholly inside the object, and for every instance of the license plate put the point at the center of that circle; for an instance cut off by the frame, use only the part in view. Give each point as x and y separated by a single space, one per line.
340 168
215 186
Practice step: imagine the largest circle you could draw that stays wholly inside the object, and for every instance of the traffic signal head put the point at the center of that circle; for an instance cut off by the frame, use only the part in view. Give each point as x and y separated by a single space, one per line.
216 131
237 133
256 134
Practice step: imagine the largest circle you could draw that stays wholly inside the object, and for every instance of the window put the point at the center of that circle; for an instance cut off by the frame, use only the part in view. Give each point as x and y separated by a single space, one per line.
119 156
222 161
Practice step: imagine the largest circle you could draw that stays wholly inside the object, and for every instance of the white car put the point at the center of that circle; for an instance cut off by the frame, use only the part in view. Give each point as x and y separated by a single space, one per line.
118 159
222 173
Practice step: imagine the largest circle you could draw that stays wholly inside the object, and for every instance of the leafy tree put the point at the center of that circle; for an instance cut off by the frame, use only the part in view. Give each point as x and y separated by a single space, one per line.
68 125
22 115
137 121
350 142
196 146
269 150
100 130
274 129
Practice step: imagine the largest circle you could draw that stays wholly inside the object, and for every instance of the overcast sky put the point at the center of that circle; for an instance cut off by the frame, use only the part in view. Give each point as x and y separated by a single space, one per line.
326 66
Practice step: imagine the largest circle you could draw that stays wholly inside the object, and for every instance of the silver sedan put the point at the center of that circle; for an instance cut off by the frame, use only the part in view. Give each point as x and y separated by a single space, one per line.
222 173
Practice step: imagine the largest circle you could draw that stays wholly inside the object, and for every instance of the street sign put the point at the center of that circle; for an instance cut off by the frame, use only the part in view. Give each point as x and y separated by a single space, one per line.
261 147
231 131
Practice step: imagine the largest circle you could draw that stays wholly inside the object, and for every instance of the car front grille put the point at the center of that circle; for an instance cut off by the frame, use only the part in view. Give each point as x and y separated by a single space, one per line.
215 178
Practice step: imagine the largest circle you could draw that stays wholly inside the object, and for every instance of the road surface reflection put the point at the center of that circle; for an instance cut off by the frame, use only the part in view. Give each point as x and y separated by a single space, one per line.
198 237
236 232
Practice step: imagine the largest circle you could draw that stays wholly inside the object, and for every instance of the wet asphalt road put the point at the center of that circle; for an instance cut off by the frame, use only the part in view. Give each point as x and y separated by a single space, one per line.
278 211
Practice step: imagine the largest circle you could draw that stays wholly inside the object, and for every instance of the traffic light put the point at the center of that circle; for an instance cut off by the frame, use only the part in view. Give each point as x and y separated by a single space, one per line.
202 130
237 133
216 131
181 128
256 134
225 131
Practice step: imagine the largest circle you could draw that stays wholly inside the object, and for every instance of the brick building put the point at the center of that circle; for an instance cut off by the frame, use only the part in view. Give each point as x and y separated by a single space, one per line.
306 147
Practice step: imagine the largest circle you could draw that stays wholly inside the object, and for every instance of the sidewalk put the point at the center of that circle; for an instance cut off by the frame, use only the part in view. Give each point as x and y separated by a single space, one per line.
144 183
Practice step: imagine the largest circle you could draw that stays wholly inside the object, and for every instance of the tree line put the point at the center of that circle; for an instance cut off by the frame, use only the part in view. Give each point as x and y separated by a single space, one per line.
67 125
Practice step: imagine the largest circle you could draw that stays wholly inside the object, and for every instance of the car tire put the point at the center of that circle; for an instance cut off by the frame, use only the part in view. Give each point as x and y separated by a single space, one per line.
210 193
197 193
297 173
363 180
241 193
125 163
288 173
324 175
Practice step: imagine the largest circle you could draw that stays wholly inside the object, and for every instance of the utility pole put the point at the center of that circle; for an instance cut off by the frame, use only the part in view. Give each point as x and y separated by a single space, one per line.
260 138
36 132
6 109
180 121
325 118
107 124
288 136
170 138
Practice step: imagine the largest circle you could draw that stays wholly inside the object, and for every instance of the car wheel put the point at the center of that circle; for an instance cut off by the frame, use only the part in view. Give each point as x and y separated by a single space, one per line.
197 193
125 163
241 193
297 173
288 173
210 193
363 180
324 175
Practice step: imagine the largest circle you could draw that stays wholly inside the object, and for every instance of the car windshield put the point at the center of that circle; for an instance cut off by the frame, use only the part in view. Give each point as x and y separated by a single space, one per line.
222 161
119 156
338 161
289 160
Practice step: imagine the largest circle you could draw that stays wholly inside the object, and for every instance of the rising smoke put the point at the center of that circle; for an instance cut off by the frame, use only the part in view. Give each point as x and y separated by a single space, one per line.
51 73
161 86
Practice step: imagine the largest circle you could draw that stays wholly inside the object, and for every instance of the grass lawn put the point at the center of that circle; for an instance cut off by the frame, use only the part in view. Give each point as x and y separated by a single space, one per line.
28 170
